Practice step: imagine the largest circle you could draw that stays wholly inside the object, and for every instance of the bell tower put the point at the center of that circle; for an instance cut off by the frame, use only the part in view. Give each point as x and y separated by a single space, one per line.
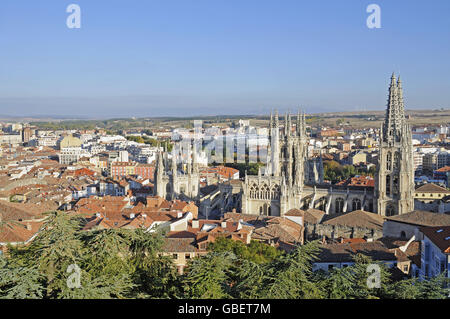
394 180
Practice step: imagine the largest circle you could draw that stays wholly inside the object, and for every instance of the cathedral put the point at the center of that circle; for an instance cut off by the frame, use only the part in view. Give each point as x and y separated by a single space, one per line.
174 182
293 180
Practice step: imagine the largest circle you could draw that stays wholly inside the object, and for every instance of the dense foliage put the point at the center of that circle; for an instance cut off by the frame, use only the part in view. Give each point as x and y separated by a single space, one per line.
335 172
256 251
129 264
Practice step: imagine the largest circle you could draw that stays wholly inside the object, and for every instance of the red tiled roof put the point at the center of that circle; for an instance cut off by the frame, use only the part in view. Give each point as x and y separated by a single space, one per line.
18 232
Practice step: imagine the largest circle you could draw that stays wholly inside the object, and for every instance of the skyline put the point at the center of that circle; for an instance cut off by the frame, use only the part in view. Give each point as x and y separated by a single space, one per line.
210 58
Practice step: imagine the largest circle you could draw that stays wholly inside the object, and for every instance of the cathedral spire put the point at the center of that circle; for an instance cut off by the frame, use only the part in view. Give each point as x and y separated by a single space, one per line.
194 158
289 123
303 124
395 115
174 165
271 120
160 166
277 124
286 124
189 161
401 105
394 179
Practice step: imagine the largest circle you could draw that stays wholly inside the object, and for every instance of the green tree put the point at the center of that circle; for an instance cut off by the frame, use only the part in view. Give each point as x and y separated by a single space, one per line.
20 282
155 274
256 251
434 288
107 263
405 289
352 282
209 277
55 248
251 277
289 276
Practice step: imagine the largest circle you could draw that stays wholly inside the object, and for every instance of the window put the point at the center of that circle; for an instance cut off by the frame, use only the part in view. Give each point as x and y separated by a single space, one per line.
188 256
356 203
427 252
405 268
175 256
390 210
339 205
388 161
396 160
395 185
388 185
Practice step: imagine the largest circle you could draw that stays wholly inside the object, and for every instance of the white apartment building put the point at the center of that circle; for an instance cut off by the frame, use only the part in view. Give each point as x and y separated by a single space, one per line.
48 140
436 160
71 155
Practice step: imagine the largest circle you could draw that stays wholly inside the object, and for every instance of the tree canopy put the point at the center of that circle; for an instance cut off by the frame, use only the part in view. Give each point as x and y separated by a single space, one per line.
65 262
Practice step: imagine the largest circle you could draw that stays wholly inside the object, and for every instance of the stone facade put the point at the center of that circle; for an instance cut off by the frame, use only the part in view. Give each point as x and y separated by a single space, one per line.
280 188
177 183
394 183
317 231
292 179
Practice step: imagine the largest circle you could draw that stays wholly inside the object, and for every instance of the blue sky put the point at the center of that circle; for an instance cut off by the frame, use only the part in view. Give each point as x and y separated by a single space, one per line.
203 57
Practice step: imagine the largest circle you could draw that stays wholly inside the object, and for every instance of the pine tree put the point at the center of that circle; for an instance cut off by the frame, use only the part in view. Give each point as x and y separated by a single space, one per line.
19 282
209 276
290 276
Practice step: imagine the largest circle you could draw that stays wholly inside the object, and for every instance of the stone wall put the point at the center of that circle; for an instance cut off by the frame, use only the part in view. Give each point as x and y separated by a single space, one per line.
395 229
316 231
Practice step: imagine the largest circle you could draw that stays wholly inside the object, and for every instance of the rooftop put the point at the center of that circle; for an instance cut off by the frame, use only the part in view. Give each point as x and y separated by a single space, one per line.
422 218
357 218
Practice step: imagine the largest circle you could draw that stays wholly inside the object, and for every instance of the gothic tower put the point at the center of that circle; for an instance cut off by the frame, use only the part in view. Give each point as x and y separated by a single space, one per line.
281 186
170 183
287 150
159 188
394 180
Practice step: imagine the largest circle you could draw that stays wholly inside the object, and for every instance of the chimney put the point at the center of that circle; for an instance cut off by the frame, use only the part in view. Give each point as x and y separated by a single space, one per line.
234 210
98 215
180 214
132 216
144 215
195 224
224 224
28 226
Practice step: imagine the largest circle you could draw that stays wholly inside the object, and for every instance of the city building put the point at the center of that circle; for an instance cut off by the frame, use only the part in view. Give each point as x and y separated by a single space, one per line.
435 258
